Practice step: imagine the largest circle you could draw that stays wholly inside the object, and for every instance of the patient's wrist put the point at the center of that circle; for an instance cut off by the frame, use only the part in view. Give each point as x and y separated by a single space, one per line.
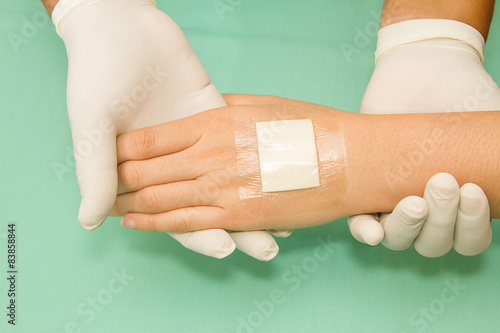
366 152
387 160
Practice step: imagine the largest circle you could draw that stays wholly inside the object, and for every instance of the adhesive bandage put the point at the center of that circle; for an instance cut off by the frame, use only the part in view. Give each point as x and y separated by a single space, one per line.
288 157
277 157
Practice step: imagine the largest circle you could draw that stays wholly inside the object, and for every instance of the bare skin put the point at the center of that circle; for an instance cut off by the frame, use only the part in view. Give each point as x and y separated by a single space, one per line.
156 196
477 13
49 5
474 13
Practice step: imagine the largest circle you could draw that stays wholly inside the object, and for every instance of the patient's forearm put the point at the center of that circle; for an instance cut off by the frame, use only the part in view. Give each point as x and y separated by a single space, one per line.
397 154
477 14
49 5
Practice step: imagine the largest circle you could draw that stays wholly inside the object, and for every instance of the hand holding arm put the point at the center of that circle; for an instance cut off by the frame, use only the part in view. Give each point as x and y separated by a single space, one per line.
131 66
429 59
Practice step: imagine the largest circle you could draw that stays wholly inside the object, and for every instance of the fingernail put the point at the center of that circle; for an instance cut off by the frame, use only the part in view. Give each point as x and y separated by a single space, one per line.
127 223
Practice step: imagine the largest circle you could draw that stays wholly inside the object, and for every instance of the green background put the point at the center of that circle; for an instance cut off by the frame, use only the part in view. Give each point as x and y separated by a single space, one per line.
286 48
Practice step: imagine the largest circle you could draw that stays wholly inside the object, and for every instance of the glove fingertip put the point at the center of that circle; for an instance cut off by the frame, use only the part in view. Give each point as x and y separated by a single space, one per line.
91 219
412 210
373 236
258 244
282 233
269 254
225 250
472 200
214 243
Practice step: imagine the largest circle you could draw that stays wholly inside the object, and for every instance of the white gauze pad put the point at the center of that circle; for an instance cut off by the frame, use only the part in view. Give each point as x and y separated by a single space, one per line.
287 155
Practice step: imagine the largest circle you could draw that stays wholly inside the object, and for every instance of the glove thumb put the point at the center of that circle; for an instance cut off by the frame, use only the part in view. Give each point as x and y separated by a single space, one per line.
94 145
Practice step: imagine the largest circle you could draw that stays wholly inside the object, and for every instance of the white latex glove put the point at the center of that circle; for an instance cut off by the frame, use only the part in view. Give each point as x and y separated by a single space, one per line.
418 70
131 66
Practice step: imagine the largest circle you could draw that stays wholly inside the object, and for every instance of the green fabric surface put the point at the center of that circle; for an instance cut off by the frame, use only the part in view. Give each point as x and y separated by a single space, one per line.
321 281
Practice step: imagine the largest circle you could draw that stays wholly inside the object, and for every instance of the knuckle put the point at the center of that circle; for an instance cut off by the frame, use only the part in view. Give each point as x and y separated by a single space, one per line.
118 209
230 221
152 224
150 199
271 99
281 111
206 192
181 222
144 141
166 165
129 175
174 196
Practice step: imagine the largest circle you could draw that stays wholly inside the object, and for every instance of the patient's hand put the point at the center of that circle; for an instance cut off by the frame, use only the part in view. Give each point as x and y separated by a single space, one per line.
195 176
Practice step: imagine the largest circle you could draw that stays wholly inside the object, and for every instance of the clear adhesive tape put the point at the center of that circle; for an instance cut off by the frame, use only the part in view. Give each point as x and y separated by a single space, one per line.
291 160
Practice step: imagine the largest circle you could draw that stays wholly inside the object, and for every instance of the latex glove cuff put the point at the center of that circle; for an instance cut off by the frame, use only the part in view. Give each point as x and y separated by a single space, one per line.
410 31
64 7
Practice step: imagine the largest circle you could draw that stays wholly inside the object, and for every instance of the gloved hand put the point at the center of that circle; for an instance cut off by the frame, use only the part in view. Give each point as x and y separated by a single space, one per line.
131 66
430 66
